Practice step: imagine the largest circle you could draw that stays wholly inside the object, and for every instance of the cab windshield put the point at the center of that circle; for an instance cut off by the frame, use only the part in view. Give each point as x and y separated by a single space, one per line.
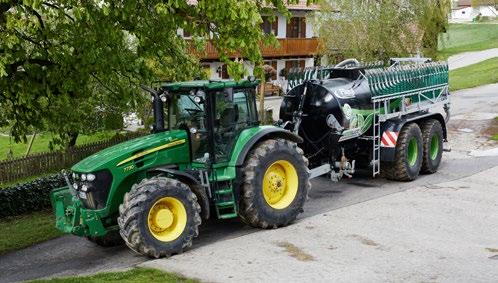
185 113
231 110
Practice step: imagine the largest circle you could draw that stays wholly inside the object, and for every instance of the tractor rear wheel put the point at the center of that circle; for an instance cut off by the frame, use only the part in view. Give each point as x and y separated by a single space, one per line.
432 139
159 217
111 239
275 184
408 155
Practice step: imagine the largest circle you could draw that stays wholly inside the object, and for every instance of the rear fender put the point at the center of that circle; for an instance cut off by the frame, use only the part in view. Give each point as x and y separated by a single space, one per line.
391 128
262 135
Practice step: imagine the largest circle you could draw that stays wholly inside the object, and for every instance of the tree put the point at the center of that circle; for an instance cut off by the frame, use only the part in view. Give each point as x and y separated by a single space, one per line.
380 29
65 62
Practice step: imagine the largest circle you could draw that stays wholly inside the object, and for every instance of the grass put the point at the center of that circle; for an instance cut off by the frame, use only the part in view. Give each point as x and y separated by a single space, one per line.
481 73
23 231
136 275
468 37
41 143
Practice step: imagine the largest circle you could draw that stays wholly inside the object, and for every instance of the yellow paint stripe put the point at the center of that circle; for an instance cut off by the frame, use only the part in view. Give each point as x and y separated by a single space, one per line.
148 151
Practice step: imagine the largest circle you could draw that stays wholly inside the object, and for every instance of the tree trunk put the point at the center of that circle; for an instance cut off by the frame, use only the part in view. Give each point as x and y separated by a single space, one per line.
73 136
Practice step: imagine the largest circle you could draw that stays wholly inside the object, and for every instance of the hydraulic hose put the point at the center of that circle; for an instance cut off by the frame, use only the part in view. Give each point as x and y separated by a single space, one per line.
347 62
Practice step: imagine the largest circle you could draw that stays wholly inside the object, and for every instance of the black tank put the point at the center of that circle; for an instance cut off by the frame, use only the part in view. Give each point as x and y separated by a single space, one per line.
335 96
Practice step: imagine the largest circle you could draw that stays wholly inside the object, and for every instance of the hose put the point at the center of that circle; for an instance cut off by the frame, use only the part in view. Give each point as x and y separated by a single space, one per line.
347 62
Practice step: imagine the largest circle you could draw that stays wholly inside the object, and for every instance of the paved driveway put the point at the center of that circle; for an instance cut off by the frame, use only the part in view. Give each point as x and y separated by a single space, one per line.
469 58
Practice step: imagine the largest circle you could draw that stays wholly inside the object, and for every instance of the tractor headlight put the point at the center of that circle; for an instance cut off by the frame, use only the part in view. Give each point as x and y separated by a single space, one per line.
90 177
93 188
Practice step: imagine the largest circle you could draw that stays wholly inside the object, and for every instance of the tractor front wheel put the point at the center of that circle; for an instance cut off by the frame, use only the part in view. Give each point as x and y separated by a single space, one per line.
275 184
159 217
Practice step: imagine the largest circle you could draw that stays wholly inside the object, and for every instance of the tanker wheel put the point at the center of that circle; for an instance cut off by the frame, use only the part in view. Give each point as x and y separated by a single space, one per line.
432 136
275 184
159 217
111 239
408 155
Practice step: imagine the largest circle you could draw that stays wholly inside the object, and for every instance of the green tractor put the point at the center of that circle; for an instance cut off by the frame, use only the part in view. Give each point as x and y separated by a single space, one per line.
207 156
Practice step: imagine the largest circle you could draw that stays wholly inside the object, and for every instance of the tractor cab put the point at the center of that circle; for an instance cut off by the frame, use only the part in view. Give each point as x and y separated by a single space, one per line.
213 113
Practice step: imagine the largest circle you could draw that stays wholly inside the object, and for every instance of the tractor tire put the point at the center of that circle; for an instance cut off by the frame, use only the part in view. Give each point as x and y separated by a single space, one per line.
408 156
159 217
275 184
432 140
111 239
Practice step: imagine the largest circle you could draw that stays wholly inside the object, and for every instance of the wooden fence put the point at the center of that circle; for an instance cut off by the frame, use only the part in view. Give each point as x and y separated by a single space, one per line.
47 162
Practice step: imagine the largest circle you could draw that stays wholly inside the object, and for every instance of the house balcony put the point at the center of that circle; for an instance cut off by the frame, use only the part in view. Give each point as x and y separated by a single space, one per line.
288 47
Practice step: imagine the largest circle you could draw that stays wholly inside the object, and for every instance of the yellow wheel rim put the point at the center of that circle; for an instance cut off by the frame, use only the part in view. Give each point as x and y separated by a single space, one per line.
280 184
167 219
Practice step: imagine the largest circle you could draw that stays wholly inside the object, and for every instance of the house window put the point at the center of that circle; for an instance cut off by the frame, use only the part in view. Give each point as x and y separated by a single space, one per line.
269 27
296 28
223 72
290 64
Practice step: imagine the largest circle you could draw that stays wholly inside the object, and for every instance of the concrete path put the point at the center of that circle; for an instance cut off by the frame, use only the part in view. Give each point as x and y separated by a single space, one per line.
469 58
434 233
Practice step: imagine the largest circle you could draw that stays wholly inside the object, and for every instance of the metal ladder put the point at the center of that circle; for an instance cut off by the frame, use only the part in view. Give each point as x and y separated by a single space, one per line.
376 136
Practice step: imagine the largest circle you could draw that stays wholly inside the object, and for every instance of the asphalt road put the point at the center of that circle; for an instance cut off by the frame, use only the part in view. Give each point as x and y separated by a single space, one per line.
69 255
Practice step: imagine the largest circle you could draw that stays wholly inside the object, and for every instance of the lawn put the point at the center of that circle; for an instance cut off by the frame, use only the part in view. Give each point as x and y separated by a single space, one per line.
23 231
136 275
485 72
468 37
41 142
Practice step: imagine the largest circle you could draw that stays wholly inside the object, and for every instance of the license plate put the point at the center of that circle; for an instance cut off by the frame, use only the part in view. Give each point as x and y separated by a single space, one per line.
82 195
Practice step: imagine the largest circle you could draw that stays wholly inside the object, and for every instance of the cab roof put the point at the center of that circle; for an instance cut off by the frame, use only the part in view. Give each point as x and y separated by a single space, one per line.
210 84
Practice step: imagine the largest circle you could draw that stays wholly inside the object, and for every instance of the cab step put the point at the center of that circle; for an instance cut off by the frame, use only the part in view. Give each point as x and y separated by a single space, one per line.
225 203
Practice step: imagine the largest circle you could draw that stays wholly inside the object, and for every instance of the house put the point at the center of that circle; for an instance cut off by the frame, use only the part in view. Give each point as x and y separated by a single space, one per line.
298 45
464 11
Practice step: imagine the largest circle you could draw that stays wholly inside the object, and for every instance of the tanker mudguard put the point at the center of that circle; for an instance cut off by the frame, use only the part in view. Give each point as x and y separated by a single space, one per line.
268 133
395 125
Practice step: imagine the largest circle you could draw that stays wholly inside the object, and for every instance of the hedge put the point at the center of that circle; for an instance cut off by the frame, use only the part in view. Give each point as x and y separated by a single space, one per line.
29 197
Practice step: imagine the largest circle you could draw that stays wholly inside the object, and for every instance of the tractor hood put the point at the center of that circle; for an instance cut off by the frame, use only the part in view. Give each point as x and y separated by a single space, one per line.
129 151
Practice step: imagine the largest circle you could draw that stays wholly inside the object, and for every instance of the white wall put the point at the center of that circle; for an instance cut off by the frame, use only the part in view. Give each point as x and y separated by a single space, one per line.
282 26
469 13
462 14
309 62
487 11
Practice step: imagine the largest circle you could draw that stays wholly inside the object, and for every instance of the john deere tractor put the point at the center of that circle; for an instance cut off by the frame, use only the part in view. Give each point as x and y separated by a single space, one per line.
207 156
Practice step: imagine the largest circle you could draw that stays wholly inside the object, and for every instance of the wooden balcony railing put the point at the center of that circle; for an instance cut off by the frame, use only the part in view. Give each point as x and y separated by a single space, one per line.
288 47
